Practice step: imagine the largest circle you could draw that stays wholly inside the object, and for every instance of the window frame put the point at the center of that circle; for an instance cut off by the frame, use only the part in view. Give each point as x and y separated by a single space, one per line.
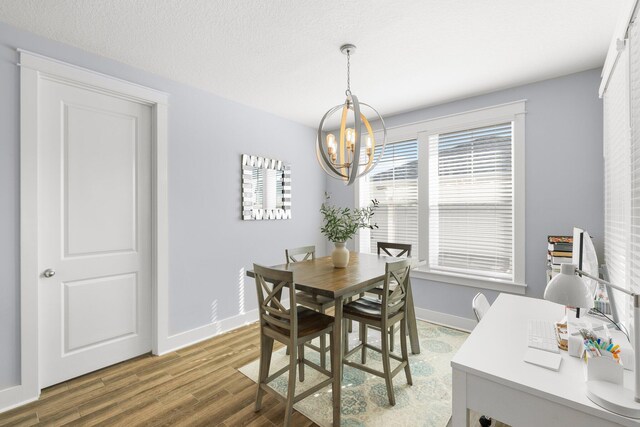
377 137
509 112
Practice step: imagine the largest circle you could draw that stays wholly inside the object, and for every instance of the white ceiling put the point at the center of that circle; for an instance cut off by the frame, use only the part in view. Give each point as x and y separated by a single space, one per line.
282 56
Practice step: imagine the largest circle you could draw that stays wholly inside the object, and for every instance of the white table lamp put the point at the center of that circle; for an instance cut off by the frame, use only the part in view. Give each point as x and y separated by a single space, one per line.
568 289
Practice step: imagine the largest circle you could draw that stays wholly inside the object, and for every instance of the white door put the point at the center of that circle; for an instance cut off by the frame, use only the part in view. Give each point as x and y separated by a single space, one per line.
94 179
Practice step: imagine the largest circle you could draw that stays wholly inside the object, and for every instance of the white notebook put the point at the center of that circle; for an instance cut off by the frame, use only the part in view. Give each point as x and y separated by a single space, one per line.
543 358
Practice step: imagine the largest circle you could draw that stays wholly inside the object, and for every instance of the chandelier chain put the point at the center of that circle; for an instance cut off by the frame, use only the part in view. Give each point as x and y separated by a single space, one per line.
348 91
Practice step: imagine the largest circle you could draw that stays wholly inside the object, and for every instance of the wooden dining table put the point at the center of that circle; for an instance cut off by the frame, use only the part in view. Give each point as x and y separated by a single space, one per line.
364 272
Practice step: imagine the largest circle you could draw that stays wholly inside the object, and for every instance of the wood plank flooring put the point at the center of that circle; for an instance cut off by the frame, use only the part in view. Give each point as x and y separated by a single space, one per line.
195 386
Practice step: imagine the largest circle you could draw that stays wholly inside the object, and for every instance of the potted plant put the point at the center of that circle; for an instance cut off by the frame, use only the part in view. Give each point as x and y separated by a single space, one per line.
341 224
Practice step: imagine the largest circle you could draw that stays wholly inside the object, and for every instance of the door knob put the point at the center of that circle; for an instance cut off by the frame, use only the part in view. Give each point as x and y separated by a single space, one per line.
49 272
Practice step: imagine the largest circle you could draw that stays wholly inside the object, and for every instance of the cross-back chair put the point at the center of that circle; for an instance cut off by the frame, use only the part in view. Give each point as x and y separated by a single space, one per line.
313 301
293 326
398 250
383 314
394 249
302 253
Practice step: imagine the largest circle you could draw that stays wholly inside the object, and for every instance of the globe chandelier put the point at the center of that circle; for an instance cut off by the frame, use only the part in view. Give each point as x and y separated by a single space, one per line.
355 151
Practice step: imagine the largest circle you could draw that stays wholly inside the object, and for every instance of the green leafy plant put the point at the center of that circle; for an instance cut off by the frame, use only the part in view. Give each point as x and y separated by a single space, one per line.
341 224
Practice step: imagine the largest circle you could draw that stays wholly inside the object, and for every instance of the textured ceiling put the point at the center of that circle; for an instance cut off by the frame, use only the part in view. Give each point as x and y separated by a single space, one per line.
282 56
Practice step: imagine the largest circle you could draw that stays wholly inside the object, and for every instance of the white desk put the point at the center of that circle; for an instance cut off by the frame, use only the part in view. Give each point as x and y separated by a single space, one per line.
491 377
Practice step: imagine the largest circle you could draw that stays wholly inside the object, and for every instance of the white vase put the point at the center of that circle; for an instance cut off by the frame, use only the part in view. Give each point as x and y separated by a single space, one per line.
340 255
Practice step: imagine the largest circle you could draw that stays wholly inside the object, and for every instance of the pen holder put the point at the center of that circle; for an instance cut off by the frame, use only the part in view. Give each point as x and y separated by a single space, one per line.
604 368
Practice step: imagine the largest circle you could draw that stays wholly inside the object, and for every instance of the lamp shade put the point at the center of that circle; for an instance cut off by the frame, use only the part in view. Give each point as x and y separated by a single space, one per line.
568 289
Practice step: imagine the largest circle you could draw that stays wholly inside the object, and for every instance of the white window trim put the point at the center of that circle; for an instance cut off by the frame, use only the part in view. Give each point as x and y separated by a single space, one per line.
512 111
471 281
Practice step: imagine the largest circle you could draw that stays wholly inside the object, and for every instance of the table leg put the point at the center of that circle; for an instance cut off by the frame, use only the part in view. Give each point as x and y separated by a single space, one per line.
459 410
411 322
336 360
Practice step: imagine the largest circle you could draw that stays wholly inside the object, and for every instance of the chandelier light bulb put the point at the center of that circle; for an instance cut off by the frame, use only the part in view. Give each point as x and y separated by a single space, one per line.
331 143
351 139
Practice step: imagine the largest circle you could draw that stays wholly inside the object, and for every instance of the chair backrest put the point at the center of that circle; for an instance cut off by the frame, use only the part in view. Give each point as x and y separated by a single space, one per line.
480 305
269 285
300 254
403 249
394 299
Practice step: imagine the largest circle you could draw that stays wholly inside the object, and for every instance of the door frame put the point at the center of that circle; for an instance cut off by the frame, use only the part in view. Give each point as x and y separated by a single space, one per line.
33 69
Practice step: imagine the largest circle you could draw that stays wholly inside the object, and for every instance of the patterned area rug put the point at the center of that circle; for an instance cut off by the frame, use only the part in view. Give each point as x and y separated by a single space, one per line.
364 396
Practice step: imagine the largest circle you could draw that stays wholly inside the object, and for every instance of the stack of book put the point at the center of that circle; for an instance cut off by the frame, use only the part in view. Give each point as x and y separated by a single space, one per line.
559 251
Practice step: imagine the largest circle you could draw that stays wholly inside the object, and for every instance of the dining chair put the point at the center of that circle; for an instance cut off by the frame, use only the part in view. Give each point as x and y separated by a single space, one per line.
383 314
397 250
480 306
315 302
293 326
394 249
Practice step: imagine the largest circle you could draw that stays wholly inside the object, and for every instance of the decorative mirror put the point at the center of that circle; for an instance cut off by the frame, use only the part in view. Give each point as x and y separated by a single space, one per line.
266 188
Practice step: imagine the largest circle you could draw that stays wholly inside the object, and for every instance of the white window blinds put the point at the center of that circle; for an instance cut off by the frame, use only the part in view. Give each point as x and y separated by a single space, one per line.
471 221
617 176
634 86
394 183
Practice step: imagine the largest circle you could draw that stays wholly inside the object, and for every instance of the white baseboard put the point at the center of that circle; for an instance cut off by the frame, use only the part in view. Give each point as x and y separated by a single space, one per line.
444 319
193 336
13 397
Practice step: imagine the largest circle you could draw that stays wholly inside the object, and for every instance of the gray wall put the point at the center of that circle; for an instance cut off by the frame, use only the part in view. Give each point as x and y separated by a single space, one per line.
564 175
209 244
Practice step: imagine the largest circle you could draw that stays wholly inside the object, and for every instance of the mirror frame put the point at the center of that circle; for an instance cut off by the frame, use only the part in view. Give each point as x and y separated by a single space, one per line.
249 163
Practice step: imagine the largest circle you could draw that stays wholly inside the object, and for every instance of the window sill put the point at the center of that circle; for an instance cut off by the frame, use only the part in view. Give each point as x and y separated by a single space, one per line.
471 281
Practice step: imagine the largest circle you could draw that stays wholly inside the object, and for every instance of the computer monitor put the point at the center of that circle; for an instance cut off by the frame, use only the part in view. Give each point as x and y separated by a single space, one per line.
586 259
578 258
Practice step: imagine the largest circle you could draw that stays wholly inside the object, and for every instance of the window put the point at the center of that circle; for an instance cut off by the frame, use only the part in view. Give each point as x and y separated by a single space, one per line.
394 183
471 201
453 187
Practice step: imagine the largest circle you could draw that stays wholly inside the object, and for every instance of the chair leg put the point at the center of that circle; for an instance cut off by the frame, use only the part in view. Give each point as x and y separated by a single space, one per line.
392 339
323 348
350 322
405 353
291 391
323 351
386 366
345 337
266 348
345 341
335 385
363 335
301 362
